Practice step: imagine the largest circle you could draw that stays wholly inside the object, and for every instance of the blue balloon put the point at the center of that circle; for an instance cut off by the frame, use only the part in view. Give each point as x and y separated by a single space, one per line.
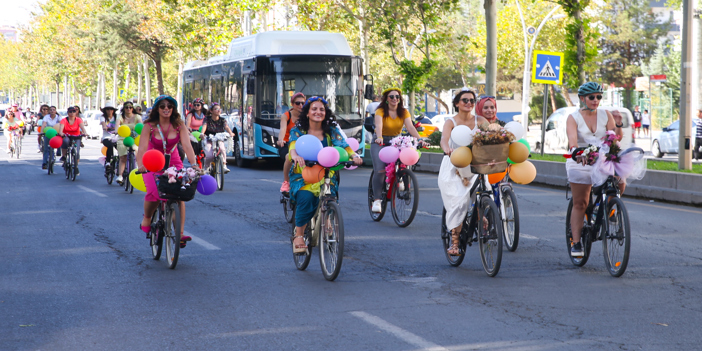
207 185
308 146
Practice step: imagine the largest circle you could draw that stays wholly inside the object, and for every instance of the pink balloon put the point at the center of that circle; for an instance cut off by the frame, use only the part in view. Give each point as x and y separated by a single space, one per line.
409 156
353 143
351 167
328 157
101 160
389 154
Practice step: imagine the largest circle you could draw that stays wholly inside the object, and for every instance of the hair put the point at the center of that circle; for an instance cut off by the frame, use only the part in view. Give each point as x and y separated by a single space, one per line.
154 117
479 105
297 95
78 108
209 112
458 96
647 110
42 106
54 107
329 123
10 113
204 110
121 111
384 104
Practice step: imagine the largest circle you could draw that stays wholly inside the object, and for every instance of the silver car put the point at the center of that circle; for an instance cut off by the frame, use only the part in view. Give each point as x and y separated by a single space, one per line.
556 138
667 141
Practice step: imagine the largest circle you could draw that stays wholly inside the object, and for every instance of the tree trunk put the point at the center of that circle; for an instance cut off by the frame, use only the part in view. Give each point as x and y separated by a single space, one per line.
139 70
179 93
58 101
566 96
126 80
552 92
412 101
147 79
159 76
437 98
114 84
491 57
103 98
579 37
97 93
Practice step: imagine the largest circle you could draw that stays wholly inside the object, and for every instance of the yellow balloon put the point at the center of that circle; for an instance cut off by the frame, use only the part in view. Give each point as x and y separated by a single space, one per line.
124 131
522 173
137 140
137 181
104 151
518 152
461 157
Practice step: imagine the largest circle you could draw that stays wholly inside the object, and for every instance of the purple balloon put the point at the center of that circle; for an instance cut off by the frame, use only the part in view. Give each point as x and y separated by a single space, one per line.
328 157
308 146
353 143
389 154
207 185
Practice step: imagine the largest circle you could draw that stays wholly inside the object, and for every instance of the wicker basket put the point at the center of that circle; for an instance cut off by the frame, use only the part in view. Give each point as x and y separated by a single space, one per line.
173 191
488 159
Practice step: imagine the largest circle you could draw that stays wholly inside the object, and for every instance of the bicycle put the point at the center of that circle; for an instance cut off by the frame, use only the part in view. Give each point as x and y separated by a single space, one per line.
216 169
402 190
165 222
52 156
325 230
288 207
615 235
506 202
128 167
482 224
70 165
16 145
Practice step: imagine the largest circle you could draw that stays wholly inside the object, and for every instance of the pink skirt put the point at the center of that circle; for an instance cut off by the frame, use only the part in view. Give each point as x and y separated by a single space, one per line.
150 181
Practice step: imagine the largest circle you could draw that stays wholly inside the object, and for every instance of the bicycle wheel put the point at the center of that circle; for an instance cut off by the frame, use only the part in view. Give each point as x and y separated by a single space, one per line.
109 171
405 198
584 239
68 166
331 248
128 170
510 218
18 147
50 165
383 202
288 208
219 174
446 239
156 234
490 236
302 260
74 165
172 233
616 237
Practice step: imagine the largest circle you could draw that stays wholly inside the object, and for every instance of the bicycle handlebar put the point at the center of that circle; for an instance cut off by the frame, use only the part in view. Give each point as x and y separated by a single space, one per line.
312 163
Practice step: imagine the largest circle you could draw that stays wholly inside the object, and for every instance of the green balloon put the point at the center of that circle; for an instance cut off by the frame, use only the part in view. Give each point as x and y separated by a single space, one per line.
50 132
138 127
525 142
200 130
196 135
128 141
337 168
510 161
343 155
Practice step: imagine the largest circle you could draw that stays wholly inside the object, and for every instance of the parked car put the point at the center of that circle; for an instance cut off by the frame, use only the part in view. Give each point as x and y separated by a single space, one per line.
63 113
556 139
667 141
91 119
439 120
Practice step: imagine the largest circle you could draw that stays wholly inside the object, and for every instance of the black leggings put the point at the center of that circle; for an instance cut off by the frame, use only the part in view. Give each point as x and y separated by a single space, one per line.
110 149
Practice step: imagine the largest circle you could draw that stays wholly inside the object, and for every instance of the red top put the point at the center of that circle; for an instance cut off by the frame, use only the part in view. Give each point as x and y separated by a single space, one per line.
291 125
72 129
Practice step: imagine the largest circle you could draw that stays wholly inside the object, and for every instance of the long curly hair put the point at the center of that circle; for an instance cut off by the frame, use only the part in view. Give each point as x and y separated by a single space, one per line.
329 123
384 103
154 117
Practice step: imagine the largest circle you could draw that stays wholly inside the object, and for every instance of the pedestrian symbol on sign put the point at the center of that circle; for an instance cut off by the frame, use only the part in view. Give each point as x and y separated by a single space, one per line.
547 71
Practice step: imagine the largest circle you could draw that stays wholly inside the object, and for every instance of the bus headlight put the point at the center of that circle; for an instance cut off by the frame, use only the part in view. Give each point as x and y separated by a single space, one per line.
267 138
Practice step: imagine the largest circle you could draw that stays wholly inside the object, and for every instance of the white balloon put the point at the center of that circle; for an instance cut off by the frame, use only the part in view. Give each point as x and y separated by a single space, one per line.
462 135
515 128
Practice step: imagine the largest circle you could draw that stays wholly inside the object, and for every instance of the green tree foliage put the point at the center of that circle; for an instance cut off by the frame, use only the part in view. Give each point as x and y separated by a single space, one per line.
537 106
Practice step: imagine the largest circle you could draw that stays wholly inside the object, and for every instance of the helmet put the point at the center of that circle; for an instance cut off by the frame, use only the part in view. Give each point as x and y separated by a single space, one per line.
164 97
199 101
589 88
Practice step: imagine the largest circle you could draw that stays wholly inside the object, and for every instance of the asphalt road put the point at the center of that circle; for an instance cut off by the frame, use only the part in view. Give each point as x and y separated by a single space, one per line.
78 275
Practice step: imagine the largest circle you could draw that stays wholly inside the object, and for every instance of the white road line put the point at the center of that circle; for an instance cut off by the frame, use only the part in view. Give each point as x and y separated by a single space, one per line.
202 242
263 332
428 214
398 332
527 236
270 181
36 212
421 189
92 191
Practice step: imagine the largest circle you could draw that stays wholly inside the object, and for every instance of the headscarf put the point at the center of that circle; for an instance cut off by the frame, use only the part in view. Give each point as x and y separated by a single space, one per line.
479 107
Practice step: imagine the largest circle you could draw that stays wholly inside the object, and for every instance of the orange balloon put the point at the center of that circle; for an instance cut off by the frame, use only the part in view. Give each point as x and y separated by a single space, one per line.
522 173
104 150
496 177
461 157
518 152
313 174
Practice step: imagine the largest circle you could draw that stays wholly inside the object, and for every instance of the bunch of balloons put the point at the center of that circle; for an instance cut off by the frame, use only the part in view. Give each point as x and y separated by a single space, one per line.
390 154
311 149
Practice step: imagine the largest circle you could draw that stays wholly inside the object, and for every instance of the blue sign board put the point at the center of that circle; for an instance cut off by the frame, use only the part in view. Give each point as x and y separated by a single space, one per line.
547 67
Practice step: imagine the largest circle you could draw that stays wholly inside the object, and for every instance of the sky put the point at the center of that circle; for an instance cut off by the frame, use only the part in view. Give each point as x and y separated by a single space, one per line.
17 12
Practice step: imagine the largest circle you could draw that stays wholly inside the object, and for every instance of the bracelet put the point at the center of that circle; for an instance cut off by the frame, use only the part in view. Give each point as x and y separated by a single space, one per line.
619 125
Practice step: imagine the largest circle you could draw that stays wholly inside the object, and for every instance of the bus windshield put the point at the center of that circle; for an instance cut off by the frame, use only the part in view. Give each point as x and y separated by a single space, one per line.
334 78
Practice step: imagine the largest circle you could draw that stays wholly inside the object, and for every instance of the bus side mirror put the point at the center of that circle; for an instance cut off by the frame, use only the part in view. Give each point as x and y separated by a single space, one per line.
368 94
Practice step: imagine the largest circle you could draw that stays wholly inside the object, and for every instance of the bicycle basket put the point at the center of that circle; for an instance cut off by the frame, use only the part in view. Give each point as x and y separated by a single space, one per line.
488 159
176 191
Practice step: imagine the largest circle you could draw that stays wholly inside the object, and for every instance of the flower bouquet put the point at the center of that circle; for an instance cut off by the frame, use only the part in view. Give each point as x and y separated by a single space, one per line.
491 149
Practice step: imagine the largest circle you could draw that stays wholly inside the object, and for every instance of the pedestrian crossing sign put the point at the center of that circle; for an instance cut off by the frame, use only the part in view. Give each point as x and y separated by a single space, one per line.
547 67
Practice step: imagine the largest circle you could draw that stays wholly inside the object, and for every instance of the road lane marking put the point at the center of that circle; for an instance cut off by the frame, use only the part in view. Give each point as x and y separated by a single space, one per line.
421 189
398 332
263 331
92 191
428 214
36 212
270 181
202 242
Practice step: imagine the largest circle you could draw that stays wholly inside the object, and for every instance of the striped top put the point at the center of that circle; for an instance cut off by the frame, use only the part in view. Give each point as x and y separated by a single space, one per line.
699 128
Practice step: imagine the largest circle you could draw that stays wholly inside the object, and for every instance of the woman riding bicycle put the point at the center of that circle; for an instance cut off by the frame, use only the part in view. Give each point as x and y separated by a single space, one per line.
584 127
163 129
390 117
287 123
454 183
43 111
107 121
315 119
129 119
194 120
10 124
49 119
71 126
215 124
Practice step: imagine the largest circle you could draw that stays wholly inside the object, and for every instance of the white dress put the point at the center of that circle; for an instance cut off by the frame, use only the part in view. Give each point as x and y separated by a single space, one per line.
577 173
454 194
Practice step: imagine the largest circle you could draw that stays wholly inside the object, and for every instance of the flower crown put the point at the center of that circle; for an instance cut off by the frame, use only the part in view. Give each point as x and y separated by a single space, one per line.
316 98
391 89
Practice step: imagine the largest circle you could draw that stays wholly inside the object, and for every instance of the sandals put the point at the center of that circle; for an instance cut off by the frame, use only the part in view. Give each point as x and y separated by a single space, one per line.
184 239
299 249
454 250
145 228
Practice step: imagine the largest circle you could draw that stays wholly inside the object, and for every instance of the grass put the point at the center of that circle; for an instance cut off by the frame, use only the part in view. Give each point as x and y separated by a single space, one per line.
655 165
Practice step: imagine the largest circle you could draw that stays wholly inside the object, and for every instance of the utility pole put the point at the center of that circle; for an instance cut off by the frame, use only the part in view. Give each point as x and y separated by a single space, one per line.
686 108
491 57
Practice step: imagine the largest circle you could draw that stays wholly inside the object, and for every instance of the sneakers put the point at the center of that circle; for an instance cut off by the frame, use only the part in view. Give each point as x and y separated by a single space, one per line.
44 166
401 186
62 159
120 179
377 207
577 250
38 151
226 170
285 187
77 171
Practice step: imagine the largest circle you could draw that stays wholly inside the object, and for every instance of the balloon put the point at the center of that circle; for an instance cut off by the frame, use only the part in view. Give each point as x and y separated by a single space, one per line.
510 161
21 123
389 154
104 150
522 173
313 174
494 178
137 140
462 135
124 131
128 141
153 160
351 167
353 143
56 142
138 127
515 128
336 168
343 155
207 185
200 130
409 156
101 160
518 153
308 146
196 135
328 157
525 142
461 157
50 132
137 181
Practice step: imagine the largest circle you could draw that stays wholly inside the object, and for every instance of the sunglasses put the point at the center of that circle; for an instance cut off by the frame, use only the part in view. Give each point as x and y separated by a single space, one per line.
196 105
394 97
71 111
486 97
163 107
128 107
299 103
593 97
468 101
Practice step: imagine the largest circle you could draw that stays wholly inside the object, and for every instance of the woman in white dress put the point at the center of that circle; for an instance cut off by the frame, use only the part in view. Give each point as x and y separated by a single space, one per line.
455 183
584 127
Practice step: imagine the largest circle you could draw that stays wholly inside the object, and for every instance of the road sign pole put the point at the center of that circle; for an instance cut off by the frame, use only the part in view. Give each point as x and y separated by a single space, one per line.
543 118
